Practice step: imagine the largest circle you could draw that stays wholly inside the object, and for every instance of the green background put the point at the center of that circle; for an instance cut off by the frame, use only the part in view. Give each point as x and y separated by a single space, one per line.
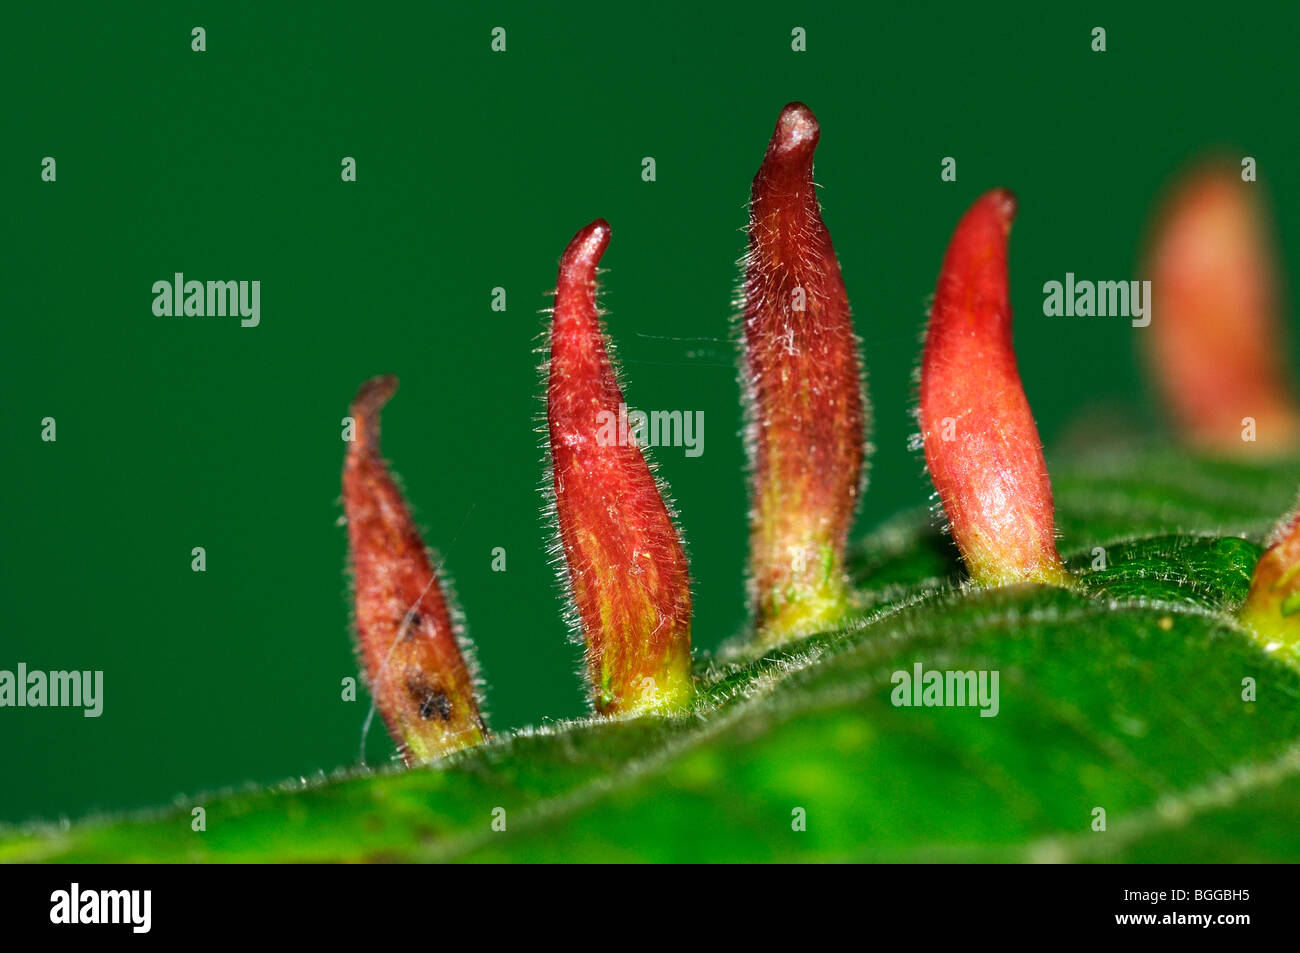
474 170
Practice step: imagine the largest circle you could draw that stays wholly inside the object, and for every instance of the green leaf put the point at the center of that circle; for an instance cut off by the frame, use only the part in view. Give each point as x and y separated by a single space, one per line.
1124 695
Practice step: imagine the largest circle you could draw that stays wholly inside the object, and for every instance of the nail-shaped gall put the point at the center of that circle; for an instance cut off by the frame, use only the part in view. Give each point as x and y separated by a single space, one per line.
981 444
408 634
803 386
1216 347
625 570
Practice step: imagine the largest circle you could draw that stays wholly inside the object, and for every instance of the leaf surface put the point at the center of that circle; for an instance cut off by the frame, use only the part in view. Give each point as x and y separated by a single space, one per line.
1124 695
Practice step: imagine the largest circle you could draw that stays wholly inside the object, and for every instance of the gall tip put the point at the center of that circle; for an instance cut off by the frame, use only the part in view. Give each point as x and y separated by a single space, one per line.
1006 204
586 247
793 141
374 393
796 128
370 400
1002 202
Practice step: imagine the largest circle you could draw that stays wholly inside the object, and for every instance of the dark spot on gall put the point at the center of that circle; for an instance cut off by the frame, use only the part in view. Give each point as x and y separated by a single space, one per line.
431 700
436 704
410 625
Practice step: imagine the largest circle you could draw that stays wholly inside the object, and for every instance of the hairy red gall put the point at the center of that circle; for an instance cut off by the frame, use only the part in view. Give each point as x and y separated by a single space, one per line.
803 386
981 444
624 566
408 635
1216 347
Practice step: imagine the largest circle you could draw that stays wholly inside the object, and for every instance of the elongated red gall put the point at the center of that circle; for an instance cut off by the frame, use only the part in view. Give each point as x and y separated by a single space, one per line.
981 443
626 570
1216 346
408 633
803 386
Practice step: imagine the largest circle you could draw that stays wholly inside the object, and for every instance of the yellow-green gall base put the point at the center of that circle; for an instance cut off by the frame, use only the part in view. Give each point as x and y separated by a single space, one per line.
670 689
815 603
